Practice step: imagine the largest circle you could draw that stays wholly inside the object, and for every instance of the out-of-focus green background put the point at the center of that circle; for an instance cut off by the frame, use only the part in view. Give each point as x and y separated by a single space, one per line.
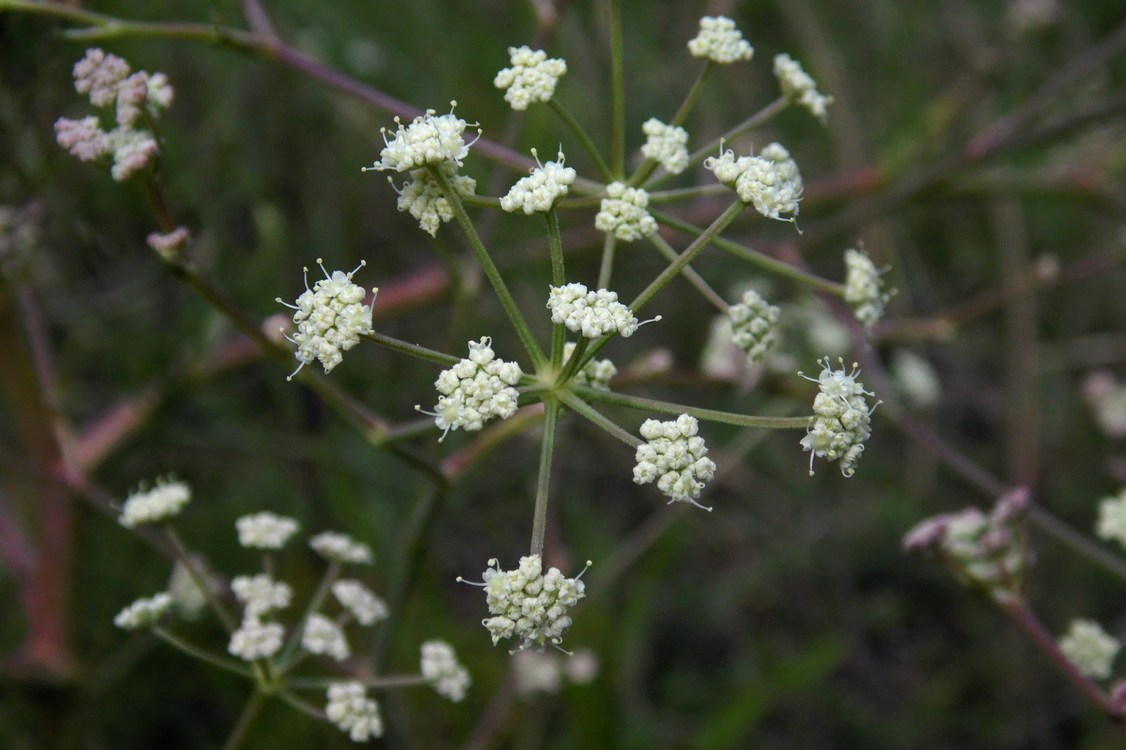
788 617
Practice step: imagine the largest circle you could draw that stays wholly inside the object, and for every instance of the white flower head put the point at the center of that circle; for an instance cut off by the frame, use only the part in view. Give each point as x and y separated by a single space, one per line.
330 318
425 200
188 597
340 548
440 667
429 139
260 594
265 530
1107 399
916 379
592 314
84 139
864 289
361 603
99 75
255 639
675 457
547 185
666 144
753 325
1112 518
323 636
144 613
841 418
528 604
133 151
164 501
532 77
596 374
799 88
169 245
1090 648
475 390
720 41
623 213
351 710
770 181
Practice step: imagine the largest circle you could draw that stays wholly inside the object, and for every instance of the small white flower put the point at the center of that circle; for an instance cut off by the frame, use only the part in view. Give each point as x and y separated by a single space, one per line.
666 144
265 530
528 604
424 199
546 185
596 374
1112 518
260 594
841 418
1090 648
592 314
675 457
144 613
720 42
340 548
158 504
350 709
429 139
475 390
440 667
753 323
323 636
256 639
133 151
623 213
330 318
365 606
532 77
770 181
799 88
864 289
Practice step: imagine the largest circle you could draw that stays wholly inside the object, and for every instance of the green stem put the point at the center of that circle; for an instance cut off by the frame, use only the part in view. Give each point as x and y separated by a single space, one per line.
543 482
413 350
761 117
649 166
690 274
584 139
609 244
574 362
507 302
763 261
287 660
710 415
679 194
617 90
227 665
577 405
558 278
245 720
200 581
306 708
377 683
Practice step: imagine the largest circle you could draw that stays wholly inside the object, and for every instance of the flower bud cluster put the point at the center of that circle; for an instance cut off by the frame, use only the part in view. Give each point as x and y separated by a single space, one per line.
770 181
108 82
841 418
528 604
340 548
429 139
440 667
260 594
323 636
532 77
720 41
265 530
425 200
753 323
475 390
592 314
799 88
158 504
144 613
864 289
1112 518
330 318
596 374
666 144
676 457
623 213
361 603
351 710
256 639
1090 648
546 185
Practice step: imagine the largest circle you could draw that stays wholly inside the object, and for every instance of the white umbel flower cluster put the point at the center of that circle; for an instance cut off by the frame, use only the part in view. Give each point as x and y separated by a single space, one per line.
350 709
528 604
675 457
361 603
158 504
666 144
1112 518
532 77
770 181
429 139
330 318
841 418
440 667
623 213
424 199
720 41
340 548
1090 648
108 82
799 88
596 374
265 530
256 639
323 636
144 613
864 289
475 390
546 185
592 314
260 594
753 323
